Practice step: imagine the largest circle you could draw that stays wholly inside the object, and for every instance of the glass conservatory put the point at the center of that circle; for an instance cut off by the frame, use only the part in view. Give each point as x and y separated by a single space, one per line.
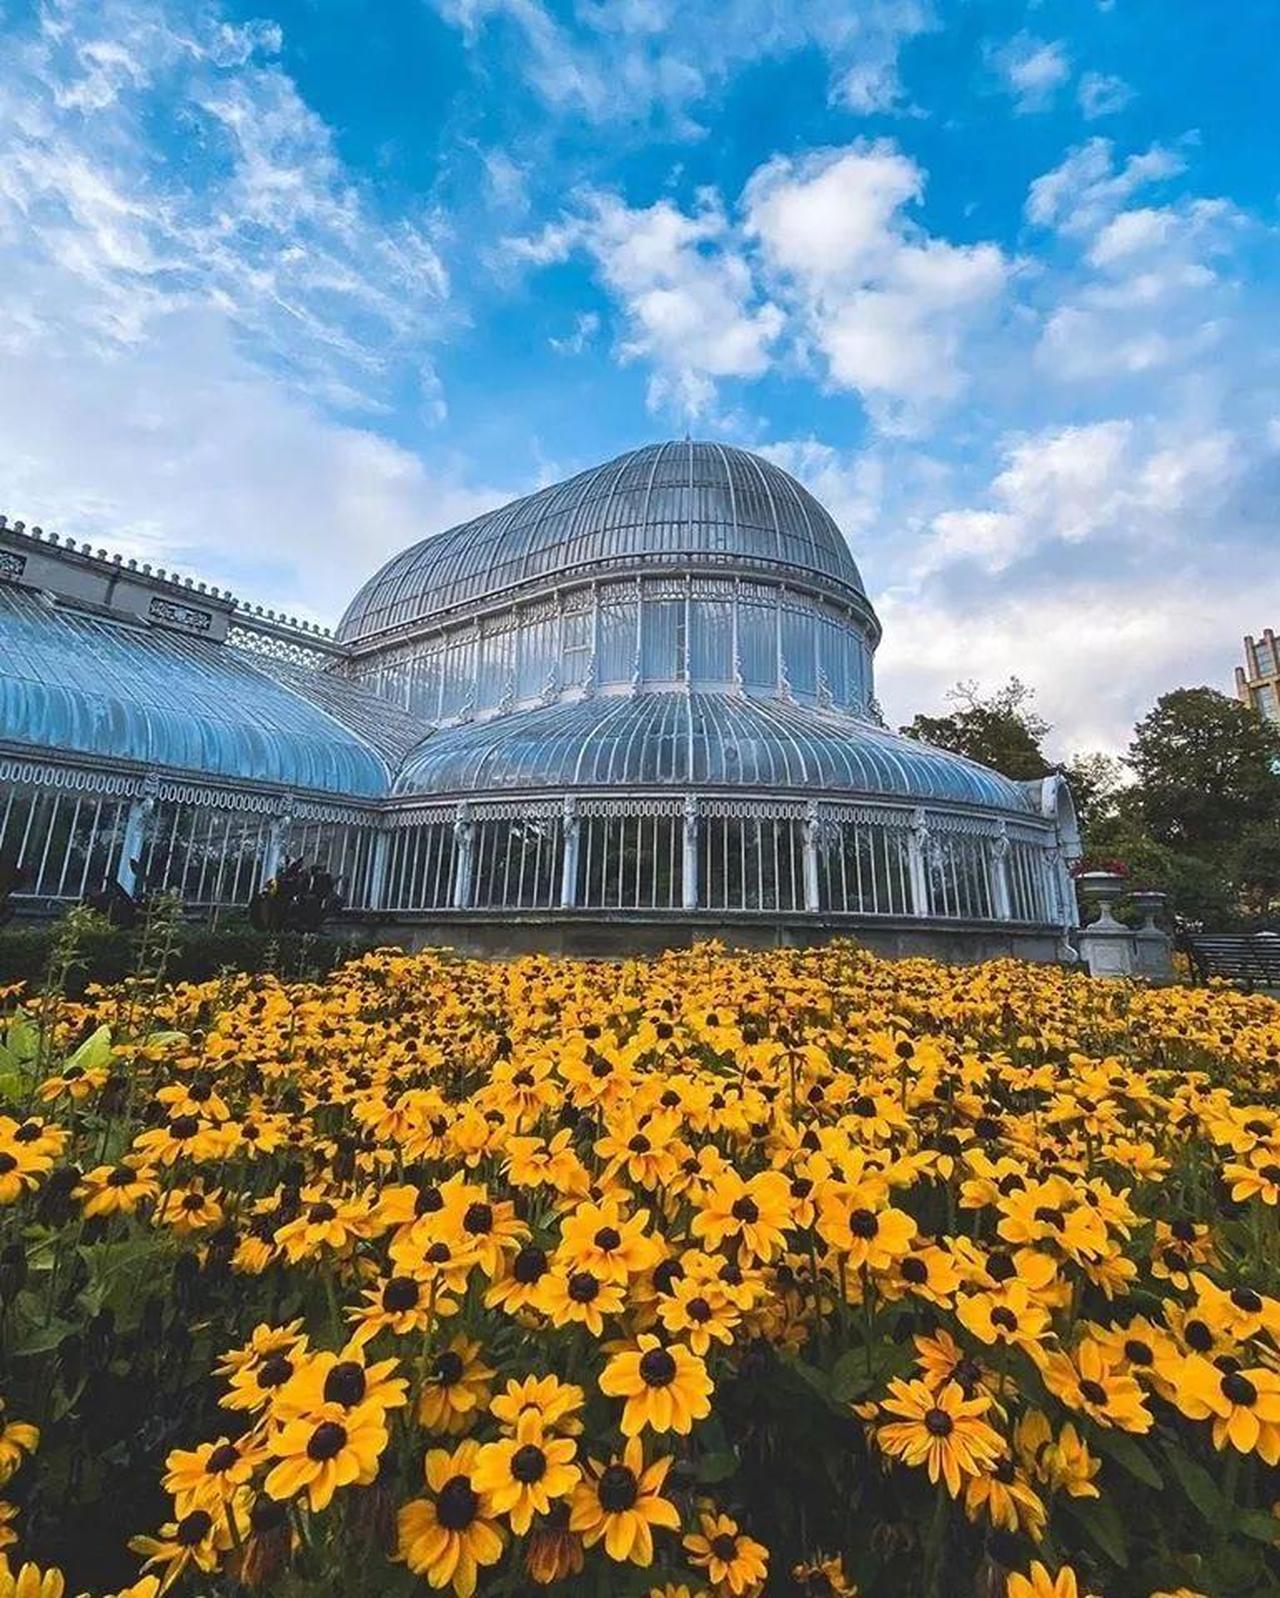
640 698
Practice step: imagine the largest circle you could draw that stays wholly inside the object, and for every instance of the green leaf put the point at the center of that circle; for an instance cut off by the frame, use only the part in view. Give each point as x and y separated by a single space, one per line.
42 1339
1128 1453
1260 1524
95 1051
716 1467
1198 1485
1102 1522
850 1378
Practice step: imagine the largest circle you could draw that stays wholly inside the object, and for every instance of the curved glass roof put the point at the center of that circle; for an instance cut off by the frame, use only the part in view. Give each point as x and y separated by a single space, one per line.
680 503
83 684
708 741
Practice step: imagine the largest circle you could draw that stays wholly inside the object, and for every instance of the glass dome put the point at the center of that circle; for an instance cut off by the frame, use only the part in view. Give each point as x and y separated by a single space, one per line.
690 505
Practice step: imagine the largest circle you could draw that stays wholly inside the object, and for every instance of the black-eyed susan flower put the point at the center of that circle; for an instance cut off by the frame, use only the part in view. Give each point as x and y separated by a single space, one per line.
523 1475
456 1388
330 1448
665 1388
556 1404
449 1534
944 1431
31 1582
620 1502
733 1562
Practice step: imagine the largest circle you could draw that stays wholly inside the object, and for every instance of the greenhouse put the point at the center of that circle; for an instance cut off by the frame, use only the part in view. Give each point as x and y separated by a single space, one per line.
638 704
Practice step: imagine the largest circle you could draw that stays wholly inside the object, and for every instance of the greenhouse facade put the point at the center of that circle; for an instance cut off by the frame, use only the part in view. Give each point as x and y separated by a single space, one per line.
631 708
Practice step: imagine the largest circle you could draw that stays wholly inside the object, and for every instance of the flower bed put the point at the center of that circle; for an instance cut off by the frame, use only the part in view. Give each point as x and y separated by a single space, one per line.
716 1274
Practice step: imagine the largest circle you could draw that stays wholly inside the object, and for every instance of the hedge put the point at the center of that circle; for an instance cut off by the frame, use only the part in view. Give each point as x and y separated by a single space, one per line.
108 954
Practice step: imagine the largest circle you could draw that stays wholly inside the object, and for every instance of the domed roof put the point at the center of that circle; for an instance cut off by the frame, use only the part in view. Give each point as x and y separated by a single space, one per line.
703 741
675 504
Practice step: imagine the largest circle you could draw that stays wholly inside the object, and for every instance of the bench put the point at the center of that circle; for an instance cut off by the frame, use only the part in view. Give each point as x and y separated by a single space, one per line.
1252 958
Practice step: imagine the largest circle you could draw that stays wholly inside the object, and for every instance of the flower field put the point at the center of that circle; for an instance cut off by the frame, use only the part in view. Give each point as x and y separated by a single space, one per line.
718 1274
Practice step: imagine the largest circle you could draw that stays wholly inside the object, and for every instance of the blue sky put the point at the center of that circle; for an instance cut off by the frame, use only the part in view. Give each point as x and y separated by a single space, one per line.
286 286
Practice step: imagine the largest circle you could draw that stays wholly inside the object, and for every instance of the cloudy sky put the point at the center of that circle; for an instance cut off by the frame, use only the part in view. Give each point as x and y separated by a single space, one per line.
287 285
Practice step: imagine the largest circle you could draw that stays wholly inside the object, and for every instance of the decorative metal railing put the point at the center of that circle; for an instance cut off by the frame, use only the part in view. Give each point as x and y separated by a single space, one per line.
65 832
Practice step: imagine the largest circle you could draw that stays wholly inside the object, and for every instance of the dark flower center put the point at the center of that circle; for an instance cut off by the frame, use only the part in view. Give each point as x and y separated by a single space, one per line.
345 1384
1138 1353
1239 1389
122 1176
327 1441
657 1368
938 1423
528 1464
1093 1392
439 1254
1244 1298
401 1293
223 1457
583 1287
478 1220
1004 1317
7 1163
746 1210
607 1238
530 1266
320 1214
698 1310
1050 1217
184 1126
915 1270
194 1528
618 1489
725 1547
639 1144
448 1367
457 1504
863 1224
1198 1336
1000 1268
274 1371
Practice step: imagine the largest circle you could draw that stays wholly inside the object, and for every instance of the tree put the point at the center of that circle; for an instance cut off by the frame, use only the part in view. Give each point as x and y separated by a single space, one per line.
1206 769
1002 730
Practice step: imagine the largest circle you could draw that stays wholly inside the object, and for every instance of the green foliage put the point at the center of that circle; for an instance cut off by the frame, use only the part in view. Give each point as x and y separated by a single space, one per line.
1206 769
1001 730
107 955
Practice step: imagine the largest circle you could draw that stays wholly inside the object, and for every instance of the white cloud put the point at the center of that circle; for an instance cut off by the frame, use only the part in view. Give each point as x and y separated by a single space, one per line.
1087 188
887 305
1031 71
1101 94
585 327
187 332
688 300
1146 295
632 60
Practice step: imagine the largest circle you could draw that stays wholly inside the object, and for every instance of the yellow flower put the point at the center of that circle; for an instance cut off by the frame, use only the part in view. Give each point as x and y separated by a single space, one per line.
620 1503
523 1475
449 1534
666 1389
943 1431
1038 1583
31 1582
732 1560
332 1447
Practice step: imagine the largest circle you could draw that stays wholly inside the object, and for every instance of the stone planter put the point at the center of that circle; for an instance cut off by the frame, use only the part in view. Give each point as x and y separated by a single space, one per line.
1153 947
1102 888
1109 949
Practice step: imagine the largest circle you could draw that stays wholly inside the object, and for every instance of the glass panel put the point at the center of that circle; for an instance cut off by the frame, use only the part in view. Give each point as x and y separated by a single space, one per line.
662 640
798 651
617 639
758 644
711 648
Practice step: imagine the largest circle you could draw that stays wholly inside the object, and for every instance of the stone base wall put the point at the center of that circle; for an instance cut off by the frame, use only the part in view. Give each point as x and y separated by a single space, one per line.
601 935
